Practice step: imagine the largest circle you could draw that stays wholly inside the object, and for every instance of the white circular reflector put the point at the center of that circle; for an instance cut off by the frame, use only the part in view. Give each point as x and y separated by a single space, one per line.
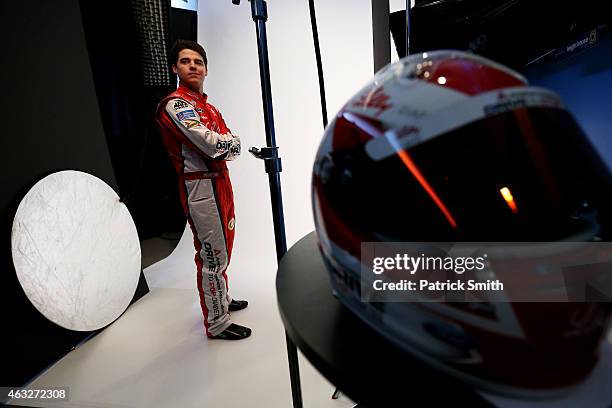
76 250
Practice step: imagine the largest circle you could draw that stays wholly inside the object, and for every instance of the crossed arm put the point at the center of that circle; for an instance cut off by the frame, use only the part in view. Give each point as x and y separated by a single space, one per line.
215 145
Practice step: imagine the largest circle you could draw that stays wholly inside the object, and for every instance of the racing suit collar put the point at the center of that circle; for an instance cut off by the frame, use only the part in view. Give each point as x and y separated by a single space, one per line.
200 97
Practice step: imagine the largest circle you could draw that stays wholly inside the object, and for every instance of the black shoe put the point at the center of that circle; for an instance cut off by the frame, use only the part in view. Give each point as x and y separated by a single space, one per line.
234 332
236 305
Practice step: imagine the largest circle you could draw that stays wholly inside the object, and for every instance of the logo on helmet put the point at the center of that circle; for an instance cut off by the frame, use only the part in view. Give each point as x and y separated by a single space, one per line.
407 131
376 99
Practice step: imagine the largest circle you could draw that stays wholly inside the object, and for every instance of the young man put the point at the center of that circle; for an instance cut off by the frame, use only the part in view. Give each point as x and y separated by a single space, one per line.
199 143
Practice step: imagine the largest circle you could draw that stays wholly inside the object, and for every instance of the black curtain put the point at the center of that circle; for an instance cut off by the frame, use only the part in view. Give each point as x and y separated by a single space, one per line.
131 76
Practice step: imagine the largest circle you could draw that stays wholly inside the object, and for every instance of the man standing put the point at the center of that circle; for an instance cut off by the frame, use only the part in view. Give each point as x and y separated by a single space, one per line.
199 143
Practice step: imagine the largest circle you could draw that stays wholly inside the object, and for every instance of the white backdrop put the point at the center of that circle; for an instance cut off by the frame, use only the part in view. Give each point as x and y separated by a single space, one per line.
228 34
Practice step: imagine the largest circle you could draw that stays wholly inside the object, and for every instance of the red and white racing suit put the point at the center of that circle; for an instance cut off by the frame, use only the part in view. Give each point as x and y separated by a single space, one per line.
199 143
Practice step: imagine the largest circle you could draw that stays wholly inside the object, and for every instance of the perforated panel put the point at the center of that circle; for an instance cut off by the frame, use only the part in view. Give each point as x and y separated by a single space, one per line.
153 30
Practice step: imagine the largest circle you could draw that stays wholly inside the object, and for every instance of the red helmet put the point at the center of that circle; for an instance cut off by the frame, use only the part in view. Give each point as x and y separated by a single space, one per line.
447 146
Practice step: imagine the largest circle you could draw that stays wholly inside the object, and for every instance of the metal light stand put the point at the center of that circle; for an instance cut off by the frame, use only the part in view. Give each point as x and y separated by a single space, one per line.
273 167
408 26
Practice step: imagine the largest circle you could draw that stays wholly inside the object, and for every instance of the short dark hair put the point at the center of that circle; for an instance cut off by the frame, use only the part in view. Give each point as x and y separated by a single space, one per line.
181 45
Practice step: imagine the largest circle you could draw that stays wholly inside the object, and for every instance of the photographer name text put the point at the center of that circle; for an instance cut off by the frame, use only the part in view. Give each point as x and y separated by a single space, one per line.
448 286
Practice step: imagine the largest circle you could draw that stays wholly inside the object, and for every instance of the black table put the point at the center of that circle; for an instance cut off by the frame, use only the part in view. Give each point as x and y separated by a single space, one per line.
362 364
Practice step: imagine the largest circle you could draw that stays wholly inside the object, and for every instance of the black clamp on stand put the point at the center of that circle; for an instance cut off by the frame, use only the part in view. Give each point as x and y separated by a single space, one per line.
269 155
272 162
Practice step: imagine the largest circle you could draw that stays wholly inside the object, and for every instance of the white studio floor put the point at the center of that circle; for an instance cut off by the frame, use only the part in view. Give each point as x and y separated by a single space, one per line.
156 354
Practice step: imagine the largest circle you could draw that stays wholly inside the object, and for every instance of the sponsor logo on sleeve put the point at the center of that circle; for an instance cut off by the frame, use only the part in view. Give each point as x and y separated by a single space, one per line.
191 123
186 114
222 145
180 104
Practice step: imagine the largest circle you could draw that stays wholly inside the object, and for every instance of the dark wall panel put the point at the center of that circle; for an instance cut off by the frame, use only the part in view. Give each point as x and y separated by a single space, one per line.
50 122
48 96
381 37
184 24
397 24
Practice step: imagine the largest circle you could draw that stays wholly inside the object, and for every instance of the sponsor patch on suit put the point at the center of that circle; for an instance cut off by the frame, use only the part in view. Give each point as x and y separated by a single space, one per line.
180 104
186 115
191 123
